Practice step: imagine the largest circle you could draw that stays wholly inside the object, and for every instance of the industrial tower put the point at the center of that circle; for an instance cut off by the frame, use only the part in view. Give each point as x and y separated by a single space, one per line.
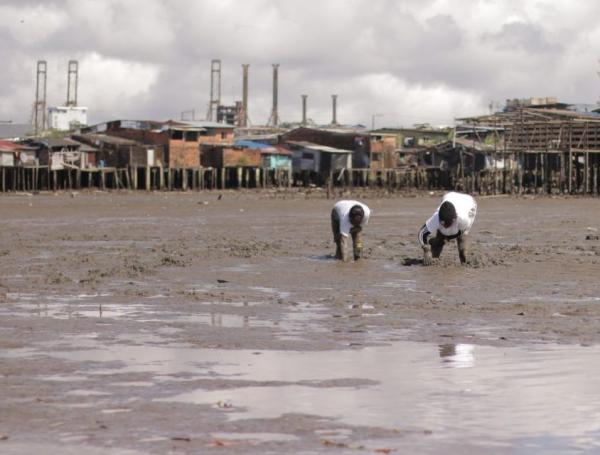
215 90
304 109
334 110
72 80
243 117
274 119
39 107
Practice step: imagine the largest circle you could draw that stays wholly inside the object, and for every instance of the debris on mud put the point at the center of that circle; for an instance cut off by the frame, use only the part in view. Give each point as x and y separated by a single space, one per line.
341 445
411 261
181 438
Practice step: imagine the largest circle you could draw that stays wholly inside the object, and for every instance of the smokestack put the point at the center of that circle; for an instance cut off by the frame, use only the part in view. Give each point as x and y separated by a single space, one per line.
215 89
274 119
334 109
304 109
72 80
244 113
39 114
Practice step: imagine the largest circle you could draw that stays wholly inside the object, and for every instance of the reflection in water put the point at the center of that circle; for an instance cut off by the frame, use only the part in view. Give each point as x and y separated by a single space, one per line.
403 385
228 320
457 355
510 398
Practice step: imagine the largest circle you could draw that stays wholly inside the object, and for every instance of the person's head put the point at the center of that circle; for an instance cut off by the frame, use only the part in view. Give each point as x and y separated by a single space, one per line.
447 214
356 215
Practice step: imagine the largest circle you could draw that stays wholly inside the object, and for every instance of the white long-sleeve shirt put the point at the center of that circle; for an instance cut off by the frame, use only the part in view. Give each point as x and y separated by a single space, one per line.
466 209
342 208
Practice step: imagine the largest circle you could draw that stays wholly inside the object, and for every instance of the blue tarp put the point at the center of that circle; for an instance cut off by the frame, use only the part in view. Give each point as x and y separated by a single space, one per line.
252 144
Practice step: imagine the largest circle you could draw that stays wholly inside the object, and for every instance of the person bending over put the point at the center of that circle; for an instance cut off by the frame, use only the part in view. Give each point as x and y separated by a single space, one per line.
452 220
347 220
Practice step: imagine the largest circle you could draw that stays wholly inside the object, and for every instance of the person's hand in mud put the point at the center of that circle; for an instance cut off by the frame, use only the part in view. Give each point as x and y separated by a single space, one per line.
356 233
356 216
427 256
461 242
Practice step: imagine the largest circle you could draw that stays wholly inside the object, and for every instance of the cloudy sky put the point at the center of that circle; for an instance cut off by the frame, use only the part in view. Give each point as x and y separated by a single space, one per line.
397 62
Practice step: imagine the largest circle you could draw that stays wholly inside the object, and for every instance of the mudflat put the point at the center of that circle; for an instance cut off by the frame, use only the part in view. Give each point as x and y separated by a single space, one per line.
125 318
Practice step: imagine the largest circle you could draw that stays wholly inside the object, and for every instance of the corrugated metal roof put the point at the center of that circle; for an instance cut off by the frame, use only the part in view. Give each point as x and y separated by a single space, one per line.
317 147
8 146
84 147
195 124
97 139
55 142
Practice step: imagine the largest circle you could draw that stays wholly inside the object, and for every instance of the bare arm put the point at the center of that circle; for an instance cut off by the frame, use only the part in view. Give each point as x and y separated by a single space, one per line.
424 235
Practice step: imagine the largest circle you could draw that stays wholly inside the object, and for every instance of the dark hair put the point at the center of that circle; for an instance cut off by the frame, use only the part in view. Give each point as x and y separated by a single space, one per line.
447 213
356 211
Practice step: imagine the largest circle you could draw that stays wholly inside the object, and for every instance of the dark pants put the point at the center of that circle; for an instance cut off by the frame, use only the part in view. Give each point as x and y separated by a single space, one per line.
437 245
340 240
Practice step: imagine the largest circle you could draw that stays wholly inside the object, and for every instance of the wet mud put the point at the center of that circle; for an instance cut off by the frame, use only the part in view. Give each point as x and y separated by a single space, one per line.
189 323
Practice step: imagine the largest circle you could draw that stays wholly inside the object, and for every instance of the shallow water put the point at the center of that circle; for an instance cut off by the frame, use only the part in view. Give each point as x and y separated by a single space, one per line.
543 398
501 395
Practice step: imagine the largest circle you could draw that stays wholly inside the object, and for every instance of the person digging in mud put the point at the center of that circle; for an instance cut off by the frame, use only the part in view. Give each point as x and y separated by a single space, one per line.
452 220
348 219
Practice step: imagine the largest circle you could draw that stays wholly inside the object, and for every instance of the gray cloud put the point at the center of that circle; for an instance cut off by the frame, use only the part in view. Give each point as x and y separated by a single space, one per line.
523 37
413 61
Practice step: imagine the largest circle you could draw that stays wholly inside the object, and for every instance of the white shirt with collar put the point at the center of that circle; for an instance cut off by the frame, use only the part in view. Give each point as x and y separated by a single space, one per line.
342 208
466 209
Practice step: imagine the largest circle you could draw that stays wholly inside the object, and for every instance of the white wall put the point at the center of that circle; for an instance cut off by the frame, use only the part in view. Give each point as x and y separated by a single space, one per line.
63 117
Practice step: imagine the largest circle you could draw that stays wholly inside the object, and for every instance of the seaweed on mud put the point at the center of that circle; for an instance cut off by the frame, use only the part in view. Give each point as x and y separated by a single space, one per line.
130 268
245 248
57 278
175 261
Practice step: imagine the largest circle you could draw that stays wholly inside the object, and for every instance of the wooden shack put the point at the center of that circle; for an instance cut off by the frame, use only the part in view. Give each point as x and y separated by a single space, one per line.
221 156
316 162
58 153
180 140
383 150
358 142
121 153
8 151
271 157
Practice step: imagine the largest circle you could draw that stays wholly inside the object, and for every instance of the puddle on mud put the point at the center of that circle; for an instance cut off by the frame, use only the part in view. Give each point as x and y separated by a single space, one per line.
551 299
256 437
271 291
545 395
102 306
243 268
504 394
66 310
